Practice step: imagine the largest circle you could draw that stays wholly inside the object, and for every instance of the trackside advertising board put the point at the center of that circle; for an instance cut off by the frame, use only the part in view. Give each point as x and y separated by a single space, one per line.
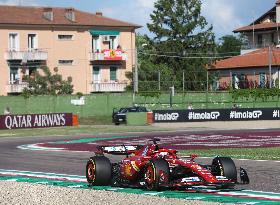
36 120
200 115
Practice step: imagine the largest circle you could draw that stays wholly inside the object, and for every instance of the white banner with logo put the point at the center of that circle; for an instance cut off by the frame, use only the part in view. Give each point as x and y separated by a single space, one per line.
241 114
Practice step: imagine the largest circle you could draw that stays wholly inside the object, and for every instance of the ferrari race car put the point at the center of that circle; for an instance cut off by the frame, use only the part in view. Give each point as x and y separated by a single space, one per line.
155 168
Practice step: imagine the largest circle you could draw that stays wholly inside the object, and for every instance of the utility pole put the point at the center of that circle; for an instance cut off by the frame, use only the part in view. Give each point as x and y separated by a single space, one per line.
159 80
253 35
135 84
277 35
137 65
207 89
183 81
278 79
270 62
253 30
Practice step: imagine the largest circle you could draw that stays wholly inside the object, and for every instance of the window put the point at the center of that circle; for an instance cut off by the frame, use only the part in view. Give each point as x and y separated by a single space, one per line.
32 42
14 76
260 40
70 14
273 18
65 37
96 44
262 80
113 42
243 81
13 42
32 71
272 38
48 14
113 73
96 74
65 62
235 81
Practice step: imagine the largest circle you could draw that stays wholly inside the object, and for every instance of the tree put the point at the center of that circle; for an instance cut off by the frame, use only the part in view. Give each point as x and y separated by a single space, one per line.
148 69
182 38
46 83
229 45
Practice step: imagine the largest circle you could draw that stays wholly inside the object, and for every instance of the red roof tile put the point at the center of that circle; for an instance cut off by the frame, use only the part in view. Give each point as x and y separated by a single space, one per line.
258 58
261 26
34 16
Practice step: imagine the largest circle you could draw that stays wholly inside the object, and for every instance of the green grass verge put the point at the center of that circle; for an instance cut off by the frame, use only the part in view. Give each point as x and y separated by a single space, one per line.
96 120
238 153
78 130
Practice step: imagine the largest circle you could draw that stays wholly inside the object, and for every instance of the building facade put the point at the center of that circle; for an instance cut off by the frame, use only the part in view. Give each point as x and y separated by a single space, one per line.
256 69
259 62
94 50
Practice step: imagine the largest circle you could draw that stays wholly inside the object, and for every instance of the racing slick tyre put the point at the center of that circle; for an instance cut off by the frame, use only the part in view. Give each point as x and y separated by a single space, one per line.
157 174
224 166
99 171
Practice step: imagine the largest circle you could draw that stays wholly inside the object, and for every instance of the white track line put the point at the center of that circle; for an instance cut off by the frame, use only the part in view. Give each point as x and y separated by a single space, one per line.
255 160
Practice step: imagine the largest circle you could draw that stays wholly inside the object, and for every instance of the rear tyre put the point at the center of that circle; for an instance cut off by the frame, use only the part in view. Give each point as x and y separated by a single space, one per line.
99 171
224 166
157 174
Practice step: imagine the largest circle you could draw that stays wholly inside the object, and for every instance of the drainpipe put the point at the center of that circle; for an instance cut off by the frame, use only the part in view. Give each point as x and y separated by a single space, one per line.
270 62
278 79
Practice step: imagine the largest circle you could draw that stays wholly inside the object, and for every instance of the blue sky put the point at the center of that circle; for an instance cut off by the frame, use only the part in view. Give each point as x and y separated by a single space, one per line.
225 15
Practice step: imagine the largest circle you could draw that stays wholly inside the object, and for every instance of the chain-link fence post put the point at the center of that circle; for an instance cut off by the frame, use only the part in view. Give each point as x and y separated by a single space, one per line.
159 80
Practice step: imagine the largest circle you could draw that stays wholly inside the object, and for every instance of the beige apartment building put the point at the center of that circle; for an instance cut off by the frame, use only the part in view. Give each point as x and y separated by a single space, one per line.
94 50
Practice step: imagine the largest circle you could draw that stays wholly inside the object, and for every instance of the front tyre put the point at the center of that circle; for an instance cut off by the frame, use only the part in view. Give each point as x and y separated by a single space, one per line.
99 171
224 166
157 174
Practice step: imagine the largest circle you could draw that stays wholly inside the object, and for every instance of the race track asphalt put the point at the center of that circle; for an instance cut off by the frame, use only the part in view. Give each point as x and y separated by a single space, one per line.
264 175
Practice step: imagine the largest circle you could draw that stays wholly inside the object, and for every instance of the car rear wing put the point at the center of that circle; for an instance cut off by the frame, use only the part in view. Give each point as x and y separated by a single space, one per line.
119 149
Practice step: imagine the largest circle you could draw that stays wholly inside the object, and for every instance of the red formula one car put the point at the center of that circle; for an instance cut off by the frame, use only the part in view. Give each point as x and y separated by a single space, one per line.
155 168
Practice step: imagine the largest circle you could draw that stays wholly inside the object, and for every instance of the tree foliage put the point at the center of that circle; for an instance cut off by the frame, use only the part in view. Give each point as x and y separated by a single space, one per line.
230 45
180 33
43 82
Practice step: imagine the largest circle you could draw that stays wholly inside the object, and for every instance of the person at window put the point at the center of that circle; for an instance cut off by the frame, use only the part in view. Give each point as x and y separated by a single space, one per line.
119 47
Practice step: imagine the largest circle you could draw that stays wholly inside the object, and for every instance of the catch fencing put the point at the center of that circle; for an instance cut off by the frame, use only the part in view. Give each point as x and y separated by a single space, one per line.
103 104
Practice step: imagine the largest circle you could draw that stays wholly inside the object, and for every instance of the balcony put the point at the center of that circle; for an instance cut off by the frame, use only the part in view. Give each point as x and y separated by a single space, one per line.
26 55
108 87
109 55
247 48
16 87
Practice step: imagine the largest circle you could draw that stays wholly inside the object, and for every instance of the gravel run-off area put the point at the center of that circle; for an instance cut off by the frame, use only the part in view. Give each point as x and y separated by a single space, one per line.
24 193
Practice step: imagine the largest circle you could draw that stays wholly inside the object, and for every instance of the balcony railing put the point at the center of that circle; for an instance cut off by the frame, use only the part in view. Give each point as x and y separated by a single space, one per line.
251 46
112 55
247 48
26 55
16 87
108 87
